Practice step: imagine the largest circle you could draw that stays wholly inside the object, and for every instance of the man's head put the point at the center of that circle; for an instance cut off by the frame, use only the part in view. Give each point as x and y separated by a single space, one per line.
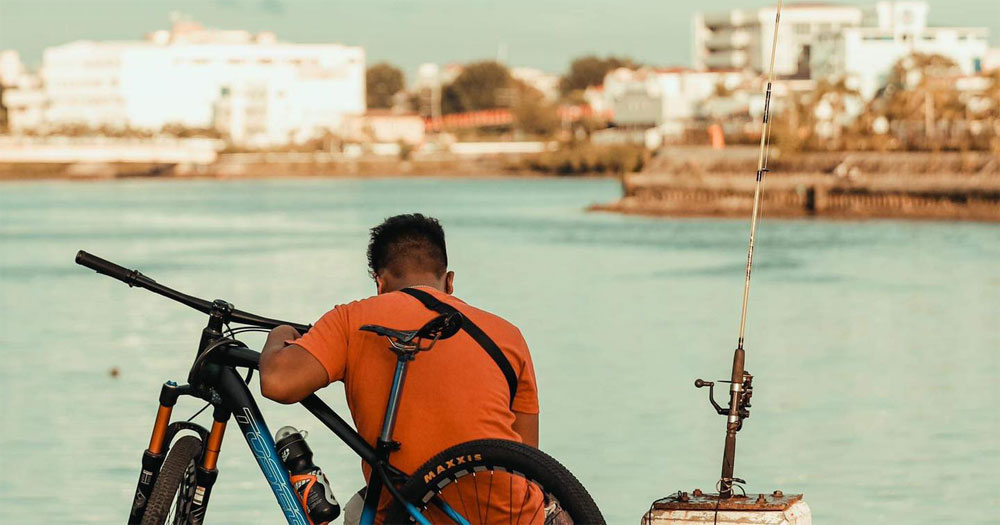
409 250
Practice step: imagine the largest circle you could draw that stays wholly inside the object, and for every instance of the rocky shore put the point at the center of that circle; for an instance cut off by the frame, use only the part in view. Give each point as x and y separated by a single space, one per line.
703 182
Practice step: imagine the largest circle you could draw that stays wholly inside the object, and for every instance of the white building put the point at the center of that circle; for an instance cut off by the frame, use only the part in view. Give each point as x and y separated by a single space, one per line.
545 83
741 38
992 59
663 98
386 126
11 67
186 75
831 41
864 56
22 99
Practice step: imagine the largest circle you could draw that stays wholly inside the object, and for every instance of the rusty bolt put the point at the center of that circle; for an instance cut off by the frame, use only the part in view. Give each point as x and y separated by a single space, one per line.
761 499
777 494
684 497
698 493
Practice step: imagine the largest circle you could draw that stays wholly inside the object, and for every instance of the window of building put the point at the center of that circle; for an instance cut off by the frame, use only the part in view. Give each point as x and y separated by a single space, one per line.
802 29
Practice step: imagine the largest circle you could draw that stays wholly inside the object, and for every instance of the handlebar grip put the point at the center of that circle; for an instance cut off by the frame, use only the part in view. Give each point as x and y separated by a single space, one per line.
108 268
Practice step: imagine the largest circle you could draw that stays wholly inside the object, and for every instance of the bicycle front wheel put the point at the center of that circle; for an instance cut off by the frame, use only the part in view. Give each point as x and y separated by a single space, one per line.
495 481
173 492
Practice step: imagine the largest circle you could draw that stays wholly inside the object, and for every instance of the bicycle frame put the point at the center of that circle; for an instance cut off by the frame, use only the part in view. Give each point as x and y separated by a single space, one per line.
218 383
222 386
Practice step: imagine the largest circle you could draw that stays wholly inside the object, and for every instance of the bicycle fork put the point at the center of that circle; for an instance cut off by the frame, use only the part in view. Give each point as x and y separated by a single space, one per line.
159 444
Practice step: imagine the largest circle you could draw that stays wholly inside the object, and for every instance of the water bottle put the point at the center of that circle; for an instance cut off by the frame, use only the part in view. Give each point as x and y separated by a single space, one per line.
309 481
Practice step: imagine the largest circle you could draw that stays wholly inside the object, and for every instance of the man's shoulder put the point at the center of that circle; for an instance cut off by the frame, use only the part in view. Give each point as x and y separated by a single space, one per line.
391 302
492 323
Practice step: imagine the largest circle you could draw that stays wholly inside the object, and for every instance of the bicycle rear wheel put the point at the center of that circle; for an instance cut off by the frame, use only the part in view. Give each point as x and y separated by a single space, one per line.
496 481
173 492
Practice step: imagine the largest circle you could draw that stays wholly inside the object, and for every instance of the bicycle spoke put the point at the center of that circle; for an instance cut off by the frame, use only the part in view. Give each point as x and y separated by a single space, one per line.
465 512
510 498
478 514
540 505
523 501
488 495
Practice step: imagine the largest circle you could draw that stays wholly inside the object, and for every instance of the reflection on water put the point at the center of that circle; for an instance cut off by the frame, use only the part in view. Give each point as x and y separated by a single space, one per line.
874 344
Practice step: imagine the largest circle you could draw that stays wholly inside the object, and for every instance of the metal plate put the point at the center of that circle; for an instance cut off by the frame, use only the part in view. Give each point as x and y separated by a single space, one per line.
696 500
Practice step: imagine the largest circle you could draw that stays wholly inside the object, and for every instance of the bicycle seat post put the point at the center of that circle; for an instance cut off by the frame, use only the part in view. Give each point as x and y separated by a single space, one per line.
385 444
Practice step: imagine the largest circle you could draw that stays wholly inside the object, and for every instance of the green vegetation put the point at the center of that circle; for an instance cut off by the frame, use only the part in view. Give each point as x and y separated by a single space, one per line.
919 109
481 85
590 71
533 115
383 81
588 158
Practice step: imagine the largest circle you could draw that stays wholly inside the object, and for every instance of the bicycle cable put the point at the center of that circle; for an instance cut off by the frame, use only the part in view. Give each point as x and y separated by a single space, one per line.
230 332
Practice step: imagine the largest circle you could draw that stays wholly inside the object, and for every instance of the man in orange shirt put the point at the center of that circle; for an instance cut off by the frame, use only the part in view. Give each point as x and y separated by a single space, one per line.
456 392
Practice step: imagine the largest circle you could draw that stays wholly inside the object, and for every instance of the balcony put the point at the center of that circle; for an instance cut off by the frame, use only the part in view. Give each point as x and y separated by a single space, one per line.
734 59
723 19
724 39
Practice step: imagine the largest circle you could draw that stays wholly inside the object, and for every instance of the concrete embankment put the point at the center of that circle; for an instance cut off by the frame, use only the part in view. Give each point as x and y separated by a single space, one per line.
81 158
962 186
262 165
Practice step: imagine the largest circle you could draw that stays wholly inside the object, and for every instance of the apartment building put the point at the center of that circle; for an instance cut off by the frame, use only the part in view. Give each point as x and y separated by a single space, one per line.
195 77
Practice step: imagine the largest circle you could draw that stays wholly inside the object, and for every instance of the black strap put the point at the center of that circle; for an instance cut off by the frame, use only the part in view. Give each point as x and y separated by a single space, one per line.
432 303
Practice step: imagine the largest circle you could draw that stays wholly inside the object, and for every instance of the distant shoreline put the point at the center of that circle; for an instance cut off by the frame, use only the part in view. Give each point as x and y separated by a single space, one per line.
225 169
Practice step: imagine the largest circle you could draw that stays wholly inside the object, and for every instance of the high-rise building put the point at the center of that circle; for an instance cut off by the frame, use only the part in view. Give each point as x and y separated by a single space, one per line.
740 39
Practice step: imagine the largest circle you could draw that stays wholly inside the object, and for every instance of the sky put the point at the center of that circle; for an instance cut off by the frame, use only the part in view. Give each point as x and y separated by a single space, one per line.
546 34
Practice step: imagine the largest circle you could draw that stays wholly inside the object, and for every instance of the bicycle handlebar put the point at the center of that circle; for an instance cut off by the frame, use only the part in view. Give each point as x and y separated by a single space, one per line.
135 278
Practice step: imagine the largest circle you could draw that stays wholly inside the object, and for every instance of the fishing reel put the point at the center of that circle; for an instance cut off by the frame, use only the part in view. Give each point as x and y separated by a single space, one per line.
745 393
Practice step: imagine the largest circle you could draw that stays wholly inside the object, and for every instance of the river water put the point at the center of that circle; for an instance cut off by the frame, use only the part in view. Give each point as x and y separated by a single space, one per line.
874 344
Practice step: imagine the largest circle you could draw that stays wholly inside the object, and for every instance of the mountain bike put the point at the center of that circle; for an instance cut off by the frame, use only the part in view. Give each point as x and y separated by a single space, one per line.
482 481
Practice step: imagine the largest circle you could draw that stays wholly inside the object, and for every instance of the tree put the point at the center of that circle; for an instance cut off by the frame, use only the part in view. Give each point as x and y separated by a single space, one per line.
3 111
481 85
590 70
533 114
383 81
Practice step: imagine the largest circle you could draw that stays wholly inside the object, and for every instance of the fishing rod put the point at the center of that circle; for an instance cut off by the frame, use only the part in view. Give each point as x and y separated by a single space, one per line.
741 381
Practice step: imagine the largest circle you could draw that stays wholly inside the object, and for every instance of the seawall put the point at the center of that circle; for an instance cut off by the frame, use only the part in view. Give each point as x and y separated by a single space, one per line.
913 185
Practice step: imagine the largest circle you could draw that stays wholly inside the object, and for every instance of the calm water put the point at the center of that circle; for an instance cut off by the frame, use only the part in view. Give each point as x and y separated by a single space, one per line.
874 344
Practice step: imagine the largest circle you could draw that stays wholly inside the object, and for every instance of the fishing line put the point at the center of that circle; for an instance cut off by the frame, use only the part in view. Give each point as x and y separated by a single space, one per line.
762 160
726 482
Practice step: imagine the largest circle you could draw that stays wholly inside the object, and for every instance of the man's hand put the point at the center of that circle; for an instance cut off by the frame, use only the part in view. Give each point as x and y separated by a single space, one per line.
289 373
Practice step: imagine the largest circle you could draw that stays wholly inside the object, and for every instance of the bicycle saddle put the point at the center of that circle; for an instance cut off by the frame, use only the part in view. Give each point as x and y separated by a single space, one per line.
441 327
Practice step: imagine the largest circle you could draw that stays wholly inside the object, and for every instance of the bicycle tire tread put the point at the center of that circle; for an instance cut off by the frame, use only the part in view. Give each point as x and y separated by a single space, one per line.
533 463
183 451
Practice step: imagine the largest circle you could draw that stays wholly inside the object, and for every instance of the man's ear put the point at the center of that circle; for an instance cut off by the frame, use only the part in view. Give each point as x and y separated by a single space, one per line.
449 283
379 284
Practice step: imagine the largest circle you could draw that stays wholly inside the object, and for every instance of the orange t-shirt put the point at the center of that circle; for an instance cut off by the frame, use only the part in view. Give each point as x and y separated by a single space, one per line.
453 393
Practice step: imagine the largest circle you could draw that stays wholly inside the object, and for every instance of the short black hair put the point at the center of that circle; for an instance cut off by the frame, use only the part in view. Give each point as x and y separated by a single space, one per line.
406 243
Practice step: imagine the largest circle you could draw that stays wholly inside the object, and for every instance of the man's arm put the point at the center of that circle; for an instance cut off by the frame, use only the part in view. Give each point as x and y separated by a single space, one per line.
526 426
289 373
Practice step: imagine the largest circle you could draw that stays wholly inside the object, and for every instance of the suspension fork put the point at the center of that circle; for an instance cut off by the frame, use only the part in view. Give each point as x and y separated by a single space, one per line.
207 471
153 456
